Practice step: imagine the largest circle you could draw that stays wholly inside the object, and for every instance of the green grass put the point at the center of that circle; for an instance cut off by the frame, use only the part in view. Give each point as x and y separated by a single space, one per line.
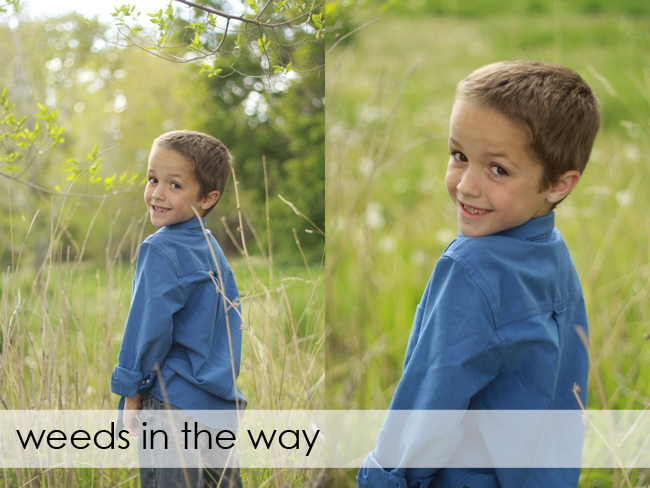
61 324
390 91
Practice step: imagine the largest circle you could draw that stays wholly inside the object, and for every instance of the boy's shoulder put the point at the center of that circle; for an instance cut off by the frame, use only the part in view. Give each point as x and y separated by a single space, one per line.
518 245
519 270
186 247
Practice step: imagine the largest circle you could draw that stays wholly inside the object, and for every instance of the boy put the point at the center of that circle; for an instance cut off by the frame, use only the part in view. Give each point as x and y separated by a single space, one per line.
499 325
179 323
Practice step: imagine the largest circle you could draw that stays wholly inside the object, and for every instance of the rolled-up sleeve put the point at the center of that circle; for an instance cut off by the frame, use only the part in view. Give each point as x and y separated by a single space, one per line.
157 295
453 352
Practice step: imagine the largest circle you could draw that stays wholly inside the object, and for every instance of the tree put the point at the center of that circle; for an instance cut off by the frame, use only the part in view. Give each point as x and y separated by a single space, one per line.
257 39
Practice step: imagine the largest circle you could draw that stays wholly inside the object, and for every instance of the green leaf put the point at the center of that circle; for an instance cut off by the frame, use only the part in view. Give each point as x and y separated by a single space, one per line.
109 182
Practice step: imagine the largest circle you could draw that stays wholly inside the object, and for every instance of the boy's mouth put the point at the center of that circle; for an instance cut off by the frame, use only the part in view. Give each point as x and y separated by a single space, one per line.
159 209
474 210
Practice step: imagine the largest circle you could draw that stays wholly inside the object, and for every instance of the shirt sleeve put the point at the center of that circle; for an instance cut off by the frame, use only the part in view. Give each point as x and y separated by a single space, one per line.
157 295
453 353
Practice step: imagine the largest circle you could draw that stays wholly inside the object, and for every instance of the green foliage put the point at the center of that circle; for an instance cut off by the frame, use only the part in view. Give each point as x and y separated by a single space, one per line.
254 44
286 127
96 92
27 144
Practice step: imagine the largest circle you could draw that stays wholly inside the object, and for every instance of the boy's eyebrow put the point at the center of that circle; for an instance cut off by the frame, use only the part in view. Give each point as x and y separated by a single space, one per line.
174 175
504 156
171 175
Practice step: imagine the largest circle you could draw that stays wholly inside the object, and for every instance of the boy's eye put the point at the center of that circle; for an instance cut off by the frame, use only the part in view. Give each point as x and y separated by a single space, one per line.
176 186
153 180
459 156
497 170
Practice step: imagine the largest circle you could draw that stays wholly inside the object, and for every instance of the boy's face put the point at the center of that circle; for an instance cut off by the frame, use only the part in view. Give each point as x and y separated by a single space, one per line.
172 189
491 178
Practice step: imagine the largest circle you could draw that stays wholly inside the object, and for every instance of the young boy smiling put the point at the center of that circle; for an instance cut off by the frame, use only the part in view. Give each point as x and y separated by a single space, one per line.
498 325
179 323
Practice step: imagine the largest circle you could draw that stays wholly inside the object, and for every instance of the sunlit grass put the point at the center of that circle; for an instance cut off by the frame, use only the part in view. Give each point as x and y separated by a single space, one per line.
61 323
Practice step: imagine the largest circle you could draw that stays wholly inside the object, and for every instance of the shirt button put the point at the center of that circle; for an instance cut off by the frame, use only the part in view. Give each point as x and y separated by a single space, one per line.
144 382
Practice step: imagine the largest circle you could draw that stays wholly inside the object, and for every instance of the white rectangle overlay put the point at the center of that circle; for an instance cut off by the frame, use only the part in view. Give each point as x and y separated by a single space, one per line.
328 439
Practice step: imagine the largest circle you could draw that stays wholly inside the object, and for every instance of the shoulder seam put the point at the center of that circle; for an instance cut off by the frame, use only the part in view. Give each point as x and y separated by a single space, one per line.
504 346
162 253
494 319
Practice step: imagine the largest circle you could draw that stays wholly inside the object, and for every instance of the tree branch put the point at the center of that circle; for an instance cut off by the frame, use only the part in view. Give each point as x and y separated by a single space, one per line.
259 14
68 194
61 194
244 19
7 4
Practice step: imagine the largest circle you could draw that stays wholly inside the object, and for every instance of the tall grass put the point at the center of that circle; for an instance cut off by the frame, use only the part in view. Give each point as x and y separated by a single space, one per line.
62 317
390 92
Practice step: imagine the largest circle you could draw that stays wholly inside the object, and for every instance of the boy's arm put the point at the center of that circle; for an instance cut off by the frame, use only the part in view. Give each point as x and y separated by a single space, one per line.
157 296
132 405
452 354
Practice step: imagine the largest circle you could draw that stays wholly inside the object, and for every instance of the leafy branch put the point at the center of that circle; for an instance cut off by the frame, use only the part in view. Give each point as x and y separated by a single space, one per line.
258 43
15 3
22 147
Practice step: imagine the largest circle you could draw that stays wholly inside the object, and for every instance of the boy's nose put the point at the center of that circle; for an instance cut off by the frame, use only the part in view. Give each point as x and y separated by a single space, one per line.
158 193
469 184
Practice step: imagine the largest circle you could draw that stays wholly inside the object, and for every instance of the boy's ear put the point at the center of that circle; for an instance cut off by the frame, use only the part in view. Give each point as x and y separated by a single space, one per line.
210 199
563 187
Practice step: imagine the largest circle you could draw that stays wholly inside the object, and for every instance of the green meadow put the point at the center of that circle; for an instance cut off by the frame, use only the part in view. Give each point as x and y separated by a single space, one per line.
390 90
62 322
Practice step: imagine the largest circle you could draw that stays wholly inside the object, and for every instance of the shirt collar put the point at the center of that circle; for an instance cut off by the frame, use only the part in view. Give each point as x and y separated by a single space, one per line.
192 223
532 230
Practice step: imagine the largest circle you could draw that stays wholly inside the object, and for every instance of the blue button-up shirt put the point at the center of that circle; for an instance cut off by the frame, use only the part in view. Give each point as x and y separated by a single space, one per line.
180 321
496 329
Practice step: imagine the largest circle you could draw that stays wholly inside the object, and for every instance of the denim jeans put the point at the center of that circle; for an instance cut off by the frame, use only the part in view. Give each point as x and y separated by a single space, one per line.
178 477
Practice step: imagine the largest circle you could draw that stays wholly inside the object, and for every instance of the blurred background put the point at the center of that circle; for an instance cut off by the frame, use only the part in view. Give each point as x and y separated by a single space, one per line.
390 88
83 94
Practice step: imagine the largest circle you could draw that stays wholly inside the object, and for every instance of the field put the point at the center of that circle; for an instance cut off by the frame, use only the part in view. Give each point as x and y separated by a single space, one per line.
390 90
62 319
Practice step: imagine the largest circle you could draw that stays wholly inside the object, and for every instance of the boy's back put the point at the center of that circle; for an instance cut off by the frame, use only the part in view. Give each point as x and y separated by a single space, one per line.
510 304
174 294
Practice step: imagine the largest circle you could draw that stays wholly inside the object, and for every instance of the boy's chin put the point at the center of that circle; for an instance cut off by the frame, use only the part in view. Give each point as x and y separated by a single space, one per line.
474 229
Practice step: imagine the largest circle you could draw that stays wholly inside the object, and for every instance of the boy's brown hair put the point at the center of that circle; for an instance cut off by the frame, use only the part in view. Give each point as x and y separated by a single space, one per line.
211 160
553 103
